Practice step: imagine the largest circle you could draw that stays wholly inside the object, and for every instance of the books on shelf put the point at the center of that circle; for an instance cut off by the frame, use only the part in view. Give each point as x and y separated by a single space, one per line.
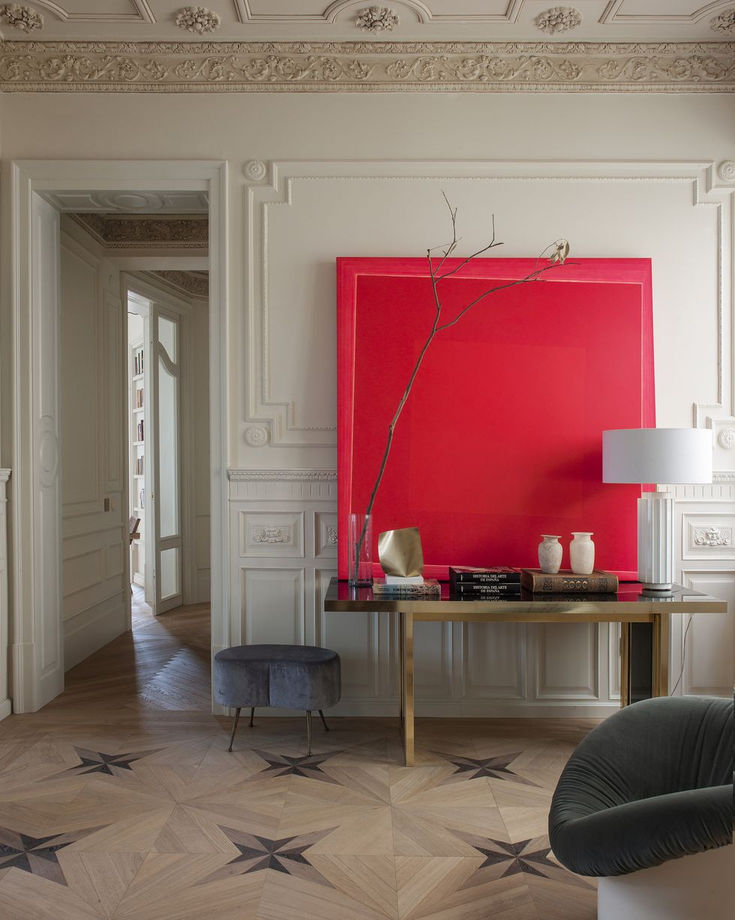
499 589
495 575
566 582
429 588
138 362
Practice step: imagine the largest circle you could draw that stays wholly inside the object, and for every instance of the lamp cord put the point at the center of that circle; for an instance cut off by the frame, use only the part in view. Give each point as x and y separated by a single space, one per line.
683 654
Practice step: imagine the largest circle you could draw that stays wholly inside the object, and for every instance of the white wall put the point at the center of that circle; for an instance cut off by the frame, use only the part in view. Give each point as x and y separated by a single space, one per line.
618 175
94 515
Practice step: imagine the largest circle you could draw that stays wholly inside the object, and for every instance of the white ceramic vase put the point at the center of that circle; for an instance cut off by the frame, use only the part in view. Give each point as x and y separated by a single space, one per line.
582 553
549 554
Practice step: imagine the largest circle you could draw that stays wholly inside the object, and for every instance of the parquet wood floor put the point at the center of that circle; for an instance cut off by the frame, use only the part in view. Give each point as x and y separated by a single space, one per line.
119 801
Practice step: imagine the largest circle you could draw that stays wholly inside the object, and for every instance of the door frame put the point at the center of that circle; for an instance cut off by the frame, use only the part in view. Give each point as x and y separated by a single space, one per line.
36 601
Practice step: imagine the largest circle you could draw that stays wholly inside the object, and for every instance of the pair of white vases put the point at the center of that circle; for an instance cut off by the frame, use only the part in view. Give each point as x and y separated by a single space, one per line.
581 553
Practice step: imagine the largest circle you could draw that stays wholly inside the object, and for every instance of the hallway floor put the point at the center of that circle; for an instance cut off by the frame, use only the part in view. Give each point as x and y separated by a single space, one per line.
119 800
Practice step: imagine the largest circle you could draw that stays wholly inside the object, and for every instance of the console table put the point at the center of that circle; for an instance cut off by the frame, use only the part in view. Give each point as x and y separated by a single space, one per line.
644 620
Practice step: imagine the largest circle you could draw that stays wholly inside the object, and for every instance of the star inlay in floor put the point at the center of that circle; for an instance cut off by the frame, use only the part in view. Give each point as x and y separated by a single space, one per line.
492 767
99 762
37 855
259 853
310 766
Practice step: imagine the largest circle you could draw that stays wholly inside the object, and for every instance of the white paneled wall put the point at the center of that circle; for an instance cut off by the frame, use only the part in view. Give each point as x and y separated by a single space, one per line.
94 517
312 177
705 519
284 541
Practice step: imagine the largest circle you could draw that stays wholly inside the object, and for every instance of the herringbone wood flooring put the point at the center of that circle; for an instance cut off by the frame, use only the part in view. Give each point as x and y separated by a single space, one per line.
119 800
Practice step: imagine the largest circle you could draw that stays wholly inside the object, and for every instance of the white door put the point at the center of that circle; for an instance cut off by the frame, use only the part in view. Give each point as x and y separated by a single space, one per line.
164 451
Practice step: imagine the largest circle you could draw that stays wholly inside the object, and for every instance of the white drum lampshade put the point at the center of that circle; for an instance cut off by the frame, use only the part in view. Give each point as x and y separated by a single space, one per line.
656 455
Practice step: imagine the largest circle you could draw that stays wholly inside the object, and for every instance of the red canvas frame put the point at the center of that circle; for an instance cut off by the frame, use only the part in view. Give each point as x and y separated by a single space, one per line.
500 440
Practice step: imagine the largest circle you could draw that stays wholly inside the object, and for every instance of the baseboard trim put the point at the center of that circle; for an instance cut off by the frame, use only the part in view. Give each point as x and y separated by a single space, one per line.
90 630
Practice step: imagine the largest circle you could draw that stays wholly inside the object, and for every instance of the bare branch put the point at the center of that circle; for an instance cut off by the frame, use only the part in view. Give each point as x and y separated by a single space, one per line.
560 251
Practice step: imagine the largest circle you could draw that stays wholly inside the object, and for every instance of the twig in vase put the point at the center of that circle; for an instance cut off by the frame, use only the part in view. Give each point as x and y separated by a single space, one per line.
559 250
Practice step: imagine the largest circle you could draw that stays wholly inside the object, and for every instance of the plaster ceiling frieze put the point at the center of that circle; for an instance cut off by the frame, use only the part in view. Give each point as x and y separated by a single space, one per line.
21 17
190 282
558 19
122 231
32 66
725 22
197 19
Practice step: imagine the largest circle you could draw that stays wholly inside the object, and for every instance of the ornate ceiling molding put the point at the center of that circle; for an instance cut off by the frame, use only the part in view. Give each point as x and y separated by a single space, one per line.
32 66
133 231
190 282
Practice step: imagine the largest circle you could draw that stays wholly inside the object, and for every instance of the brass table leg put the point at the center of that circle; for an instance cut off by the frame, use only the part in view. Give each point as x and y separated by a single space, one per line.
401 673
625 689
407 695
660 675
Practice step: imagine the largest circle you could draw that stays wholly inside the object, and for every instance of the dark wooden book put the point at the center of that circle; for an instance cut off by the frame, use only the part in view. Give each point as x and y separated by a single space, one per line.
566 582
465 574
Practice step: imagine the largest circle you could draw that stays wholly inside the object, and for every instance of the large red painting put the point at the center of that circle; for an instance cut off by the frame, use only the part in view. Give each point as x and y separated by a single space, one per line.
500 440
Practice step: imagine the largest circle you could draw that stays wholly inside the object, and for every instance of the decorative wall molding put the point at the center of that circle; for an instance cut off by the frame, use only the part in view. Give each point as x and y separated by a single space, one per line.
558 19
197 19
140 11
280 416
614 12
32 66
21 17
725 22
377 19
282 475
726 171
338 8
254 170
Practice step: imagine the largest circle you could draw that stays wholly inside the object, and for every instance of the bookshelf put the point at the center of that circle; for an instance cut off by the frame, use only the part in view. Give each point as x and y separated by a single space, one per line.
137 435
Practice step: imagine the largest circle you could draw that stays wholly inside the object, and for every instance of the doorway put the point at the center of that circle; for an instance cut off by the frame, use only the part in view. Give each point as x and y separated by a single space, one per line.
37 604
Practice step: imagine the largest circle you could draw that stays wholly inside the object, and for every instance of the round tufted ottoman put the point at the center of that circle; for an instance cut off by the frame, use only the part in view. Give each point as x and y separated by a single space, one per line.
292 676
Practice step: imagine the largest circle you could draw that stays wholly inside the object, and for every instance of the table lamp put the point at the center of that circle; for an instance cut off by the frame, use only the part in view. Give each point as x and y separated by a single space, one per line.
656 455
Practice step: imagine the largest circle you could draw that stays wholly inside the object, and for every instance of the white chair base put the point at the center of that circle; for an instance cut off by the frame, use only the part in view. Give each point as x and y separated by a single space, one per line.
696 887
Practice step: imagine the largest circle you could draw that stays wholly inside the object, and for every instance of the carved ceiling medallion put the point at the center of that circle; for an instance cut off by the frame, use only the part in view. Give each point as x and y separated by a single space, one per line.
558 19
21 17
377 19
197 19
725 22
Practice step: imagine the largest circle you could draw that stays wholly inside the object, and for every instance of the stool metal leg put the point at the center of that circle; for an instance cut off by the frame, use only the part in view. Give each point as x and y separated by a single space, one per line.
324 721
308 732
252 713
234 727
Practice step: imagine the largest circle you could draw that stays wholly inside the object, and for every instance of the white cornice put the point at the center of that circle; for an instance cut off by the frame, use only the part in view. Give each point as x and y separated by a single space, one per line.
32 66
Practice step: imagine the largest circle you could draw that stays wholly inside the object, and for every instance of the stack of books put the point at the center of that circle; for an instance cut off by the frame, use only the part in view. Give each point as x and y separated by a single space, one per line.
566 582
497 582
408 586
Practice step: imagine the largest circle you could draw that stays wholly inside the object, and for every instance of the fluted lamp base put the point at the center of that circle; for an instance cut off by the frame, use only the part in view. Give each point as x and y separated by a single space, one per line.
656 541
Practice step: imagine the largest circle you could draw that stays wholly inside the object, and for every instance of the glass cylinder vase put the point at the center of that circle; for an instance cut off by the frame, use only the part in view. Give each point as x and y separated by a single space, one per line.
359 547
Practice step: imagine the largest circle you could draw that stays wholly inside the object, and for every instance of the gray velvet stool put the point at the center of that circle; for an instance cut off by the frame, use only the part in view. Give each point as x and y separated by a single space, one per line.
291 676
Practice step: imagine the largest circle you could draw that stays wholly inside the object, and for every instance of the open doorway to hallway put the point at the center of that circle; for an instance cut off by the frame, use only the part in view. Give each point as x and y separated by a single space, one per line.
41 614
149 471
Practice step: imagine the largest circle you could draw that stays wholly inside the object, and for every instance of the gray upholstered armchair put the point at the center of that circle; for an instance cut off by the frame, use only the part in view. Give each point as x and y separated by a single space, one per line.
645 803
